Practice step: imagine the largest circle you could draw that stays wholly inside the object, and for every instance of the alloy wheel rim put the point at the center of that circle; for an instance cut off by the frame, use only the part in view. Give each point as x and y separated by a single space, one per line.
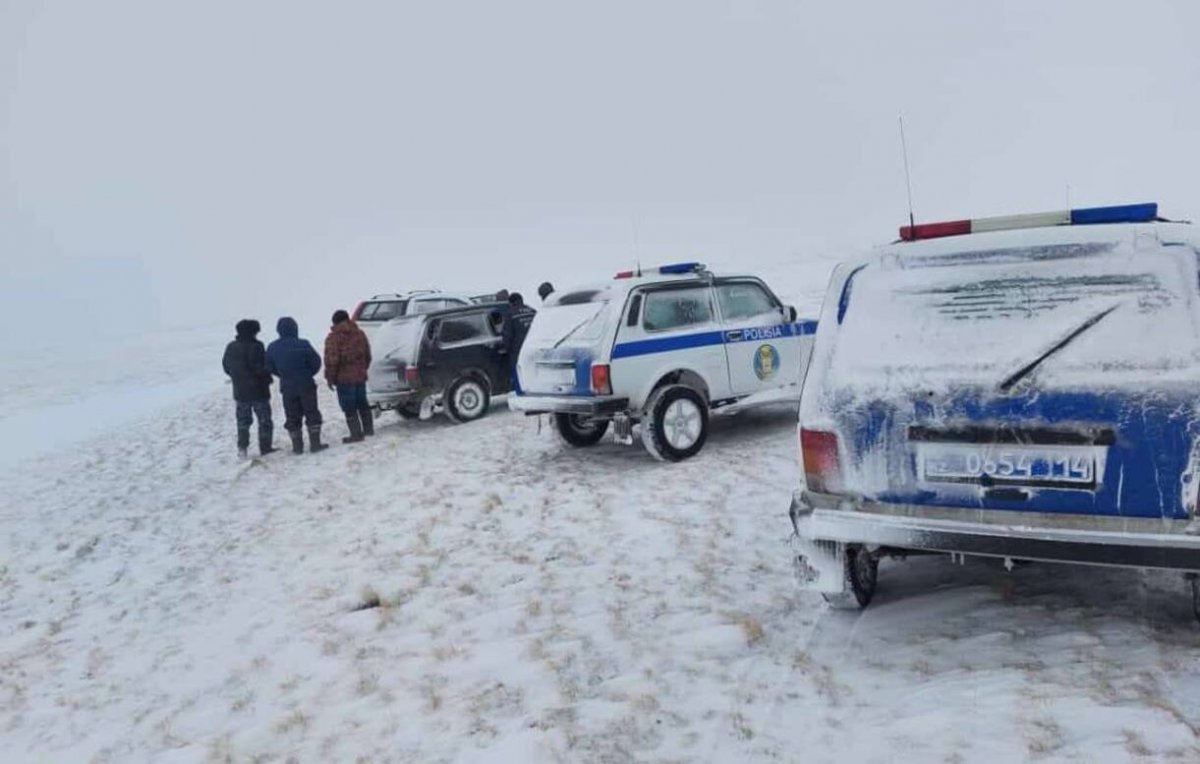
682 424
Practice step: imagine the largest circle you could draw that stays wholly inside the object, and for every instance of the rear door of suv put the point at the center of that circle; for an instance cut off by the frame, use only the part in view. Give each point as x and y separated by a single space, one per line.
462 342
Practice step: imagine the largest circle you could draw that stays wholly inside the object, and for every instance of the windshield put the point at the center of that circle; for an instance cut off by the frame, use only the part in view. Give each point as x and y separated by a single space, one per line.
1063 315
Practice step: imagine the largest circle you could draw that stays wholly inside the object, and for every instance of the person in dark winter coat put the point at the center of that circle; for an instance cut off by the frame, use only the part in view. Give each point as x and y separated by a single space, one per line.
295 362
245 362
516 326
347 357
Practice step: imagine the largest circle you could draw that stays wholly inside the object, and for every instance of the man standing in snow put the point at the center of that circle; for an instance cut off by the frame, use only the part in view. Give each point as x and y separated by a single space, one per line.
516 326
295 362
245 362
347 356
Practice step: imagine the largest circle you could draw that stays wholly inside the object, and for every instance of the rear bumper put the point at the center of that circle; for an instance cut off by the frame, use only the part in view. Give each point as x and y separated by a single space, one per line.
568 404
391 400
822 519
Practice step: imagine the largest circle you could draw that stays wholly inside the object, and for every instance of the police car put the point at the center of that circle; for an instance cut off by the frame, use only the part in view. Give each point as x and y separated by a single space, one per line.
1024 388
662 347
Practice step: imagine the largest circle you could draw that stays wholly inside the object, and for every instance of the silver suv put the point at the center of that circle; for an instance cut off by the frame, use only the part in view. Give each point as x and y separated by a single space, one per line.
377 311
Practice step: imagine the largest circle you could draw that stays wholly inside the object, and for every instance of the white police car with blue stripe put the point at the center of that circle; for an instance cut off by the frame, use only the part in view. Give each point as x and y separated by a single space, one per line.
661 348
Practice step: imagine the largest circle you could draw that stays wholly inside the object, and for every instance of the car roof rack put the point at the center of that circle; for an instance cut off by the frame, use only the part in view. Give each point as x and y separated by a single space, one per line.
402 295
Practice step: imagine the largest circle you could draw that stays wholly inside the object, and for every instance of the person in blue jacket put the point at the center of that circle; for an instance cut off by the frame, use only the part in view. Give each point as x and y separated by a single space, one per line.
295 362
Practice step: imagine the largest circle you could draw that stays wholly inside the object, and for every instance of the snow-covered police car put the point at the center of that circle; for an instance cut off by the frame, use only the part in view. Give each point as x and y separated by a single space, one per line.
661 347
1024 388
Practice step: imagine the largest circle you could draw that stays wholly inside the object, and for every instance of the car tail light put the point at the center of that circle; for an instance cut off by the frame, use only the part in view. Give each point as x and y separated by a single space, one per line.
411 377
819 452
601 383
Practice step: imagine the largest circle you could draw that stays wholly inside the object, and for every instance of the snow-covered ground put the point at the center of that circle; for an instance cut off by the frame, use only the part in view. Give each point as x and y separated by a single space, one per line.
478 593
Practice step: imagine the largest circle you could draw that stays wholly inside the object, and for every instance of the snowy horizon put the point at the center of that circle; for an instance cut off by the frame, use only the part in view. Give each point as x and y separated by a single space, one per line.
165 167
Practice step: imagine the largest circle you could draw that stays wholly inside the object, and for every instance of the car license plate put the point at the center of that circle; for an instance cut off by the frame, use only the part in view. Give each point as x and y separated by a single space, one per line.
1005 463
558 375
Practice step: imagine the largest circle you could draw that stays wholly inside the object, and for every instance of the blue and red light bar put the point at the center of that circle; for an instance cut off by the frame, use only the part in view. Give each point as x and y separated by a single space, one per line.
665 270
1124 213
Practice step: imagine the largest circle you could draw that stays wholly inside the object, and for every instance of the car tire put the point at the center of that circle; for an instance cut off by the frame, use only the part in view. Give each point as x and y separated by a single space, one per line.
579 431
861 576
675 424
467 399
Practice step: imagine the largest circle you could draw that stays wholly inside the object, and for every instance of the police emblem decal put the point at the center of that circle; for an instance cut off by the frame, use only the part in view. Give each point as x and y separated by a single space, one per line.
766 361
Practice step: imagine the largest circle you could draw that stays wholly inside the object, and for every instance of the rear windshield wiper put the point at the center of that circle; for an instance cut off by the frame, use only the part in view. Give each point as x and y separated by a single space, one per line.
578 326
1028 368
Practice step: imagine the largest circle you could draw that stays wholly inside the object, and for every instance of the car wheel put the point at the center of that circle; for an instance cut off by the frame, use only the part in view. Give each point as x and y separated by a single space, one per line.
861 572
467 399
580 431
676 423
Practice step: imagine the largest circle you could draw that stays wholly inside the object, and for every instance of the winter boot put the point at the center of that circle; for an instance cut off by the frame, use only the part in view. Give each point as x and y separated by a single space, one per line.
266 443
314 439
356 428
368 421
297 437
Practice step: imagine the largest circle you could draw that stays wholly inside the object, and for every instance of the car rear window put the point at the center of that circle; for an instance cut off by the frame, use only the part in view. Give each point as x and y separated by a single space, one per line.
466 328
980 317
380 310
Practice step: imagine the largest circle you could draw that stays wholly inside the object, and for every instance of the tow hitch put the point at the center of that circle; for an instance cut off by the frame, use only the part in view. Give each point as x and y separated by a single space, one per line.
623 429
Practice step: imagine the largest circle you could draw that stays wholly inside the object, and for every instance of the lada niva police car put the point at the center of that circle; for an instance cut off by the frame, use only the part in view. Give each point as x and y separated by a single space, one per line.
662 347
1024 388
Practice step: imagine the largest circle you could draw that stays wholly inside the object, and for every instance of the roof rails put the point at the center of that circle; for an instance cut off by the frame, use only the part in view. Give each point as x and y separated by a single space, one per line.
405 294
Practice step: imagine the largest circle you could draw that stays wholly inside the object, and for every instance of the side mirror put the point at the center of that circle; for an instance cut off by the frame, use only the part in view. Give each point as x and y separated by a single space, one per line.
789 314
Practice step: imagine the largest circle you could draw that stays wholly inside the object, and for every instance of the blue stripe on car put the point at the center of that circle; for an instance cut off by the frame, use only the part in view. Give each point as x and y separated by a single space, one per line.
667 344
702 339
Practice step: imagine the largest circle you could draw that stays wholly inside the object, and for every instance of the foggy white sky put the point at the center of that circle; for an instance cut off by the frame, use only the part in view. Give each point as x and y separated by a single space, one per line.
165 163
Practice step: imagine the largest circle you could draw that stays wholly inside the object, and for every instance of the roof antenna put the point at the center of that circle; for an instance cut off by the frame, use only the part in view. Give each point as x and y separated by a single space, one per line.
907 177
637 258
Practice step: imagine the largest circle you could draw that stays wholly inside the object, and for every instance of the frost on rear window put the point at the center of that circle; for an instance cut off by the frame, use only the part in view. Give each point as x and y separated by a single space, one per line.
977 317
578 315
